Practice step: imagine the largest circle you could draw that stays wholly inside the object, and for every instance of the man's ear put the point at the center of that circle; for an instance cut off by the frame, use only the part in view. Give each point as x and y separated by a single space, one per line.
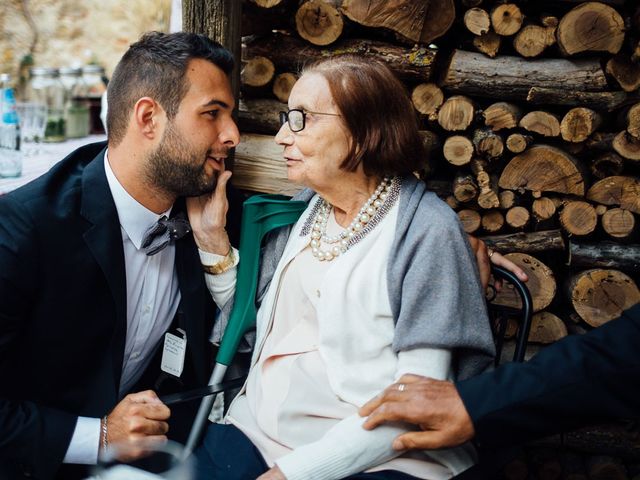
147 117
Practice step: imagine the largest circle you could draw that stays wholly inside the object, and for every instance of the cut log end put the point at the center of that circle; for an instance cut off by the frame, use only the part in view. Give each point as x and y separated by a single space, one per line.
282 85
477 21
506 19
600 295
502 115
456 113
541 284
458 150
578 218
591 26
618 223
427 98
257 72
319 22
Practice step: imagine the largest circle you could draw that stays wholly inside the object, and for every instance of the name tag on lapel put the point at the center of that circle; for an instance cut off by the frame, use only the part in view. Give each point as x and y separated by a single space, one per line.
173 353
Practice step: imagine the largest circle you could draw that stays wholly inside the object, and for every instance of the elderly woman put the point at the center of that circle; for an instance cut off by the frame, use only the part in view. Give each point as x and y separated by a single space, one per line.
375 280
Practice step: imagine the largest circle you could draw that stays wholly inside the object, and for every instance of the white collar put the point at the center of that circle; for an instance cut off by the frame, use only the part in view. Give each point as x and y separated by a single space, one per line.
135 218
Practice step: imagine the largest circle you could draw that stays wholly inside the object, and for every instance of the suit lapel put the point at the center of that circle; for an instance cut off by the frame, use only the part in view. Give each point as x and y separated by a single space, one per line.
194 295
104 239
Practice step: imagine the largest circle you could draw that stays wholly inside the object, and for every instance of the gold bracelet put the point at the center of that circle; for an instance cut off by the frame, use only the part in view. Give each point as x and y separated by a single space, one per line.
103 429
223 265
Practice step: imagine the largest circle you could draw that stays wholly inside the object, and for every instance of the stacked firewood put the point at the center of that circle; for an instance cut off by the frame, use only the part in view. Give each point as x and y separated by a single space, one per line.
530 112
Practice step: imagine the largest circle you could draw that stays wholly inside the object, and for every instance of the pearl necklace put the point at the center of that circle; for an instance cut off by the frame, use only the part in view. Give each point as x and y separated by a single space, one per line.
341 241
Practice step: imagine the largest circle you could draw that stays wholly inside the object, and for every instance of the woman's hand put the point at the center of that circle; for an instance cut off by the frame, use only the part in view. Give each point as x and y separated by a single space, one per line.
208 217
273 473
485 257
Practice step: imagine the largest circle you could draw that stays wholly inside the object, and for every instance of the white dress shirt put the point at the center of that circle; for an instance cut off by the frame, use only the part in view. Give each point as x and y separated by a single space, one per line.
152 301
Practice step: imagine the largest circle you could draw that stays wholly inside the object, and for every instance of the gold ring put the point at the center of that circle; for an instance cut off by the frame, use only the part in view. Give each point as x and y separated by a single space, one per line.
401 387
490 252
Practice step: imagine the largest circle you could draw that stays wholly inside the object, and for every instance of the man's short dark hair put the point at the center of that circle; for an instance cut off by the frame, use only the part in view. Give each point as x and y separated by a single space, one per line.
155 66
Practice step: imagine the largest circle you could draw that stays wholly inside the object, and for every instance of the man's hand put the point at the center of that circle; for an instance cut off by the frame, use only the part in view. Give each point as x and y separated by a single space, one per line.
208 218
485 257
433 405
274 473
139 417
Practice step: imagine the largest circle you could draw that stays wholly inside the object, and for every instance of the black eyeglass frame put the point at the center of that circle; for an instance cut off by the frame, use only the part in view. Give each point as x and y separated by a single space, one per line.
284 117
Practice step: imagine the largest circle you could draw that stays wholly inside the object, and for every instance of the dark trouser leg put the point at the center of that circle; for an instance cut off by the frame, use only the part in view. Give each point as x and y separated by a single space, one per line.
381 475
227 454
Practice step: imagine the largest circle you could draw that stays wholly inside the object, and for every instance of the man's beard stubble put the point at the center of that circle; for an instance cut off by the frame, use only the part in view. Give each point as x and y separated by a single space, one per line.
176 168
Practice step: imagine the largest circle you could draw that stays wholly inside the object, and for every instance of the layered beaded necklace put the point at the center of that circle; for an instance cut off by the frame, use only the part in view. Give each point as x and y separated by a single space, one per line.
340 243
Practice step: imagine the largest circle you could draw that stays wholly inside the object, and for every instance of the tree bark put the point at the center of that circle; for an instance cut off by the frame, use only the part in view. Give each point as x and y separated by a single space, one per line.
259 115
512 77
220 21
547 240
604 255
290 54
573 98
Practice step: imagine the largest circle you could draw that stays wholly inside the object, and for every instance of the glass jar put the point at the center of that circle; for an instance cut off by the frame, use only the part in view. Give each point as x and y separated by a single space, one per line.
46 88
93 76
76 106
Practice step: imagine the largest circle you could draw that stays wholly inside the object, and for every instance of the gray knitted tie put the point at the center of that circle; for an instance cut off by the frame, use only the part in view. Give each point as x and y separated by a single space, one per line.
165 232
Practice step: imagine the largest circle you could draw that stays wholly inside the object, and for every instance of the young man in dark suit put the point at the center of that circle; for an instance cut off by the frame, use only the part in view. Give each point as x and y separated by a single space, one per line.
579 380
89 291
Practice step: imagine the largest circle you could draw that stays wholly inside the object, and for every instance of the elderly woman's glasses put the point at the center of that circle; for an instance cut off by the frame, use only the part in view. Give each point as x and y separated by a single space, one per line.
296 118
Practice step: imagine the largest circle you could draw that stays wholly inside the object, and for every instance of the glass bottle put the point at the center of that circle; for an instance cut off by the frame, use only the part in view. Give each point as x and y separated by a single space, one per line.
46 88
93 76
10 154
76 107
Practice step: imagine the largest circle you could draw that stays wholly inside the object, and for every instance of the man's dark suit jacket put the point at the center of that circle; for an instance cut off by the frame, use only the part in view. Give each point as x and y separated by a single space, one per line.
580 380
63 312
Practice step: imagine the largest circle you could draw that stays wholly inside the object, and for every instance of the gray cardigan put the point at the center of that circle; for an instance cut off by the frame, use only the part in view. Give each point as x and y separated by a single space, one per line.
431 270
